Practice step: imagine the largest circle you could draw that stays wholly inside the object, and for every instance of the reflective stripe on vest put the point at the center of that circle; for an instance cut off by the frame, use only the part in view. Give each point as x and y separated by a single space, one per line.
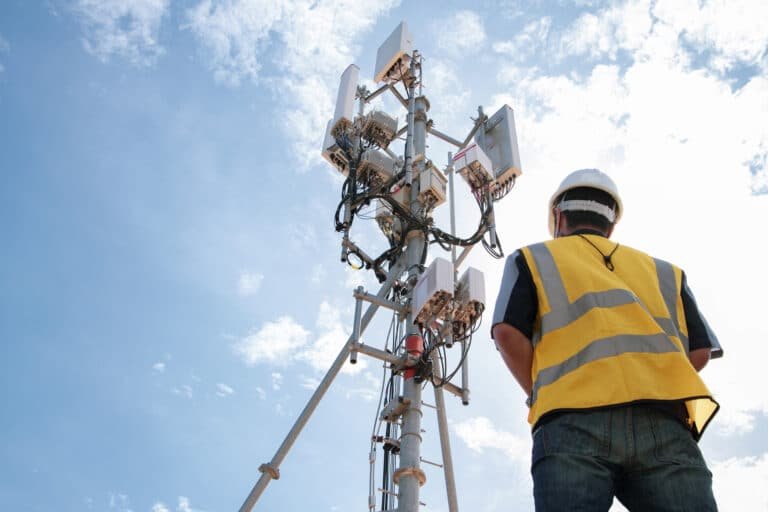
666 276
599 349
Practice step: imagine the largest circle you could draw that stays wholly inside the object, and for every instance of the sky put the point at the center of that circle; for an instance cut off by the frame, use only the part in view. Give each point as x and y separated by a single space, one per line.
171 291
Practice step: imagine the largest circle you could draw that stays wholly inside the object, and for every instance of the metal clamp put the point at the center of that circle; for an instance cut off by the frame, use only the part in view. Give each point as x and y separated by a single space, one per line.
410 471
270 470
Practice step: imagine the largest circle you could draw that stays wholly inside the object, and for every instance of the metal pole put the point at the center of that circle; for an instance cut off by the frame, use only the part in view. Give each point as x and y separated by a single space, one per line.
409 475
272 469
445 440
456 265
356 325
452 201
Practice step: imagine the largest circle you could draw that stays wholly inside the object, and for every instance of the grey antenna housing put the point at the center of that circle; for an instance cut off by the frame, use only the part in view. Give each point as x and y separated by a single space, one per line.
394 56
498 139
333 153
379 128
345 101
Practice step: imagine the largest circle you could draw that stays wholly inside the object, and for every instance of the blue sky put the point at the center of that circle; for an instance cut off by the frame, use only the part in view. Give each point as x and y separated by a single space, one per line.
171 290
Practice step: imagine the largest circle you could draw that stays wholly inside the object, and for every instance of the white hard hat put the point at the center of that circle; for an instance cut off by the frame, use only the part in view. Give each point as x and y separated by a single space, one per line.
591 178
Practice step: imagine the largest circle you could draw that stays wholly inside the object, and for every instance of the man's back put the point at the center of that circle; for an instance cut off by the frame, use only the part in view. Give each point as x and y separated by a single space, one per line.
610 330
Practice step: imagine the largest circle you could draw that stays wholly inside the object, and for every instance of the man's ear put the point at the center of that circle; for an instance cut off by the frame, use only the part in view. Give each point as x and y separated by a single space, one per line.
561 225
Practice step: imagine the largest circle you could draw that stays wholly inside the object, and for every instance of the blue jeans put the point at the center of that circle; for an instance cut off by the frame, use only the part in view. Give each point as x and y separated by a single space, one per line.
643 456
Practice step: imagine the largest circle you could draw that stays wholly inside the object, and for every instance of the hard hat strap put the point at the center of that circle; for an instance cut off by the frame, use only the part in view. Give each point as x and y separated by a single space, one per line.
588 206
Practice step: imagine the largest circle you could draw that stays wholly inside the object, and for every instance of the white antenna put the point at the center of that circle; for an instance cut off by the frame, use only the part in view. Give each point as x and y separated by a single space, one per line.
432 311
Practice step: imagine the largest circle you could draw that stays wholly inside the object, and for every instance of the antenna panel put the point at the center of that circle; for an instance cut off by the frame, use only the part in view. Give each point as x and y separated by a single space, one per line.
433 291
333 153
388 223
470 297
474 166
379 127
376 167
498 139
432 187
345 102
394 55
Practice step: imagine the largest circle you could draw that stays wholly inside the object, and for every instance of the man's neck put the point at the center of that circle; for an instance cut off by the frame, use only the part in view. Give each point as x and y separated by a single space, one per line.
587 231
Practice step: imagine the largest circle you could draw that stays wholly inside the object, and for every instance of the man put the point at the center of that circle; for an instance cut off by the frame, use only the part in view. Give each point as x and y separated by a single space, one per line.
606 342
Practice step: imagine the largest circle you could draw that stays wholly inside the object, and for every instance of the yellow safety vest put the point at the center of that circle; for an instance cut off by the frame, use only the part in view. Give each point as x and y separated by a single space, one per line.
605 337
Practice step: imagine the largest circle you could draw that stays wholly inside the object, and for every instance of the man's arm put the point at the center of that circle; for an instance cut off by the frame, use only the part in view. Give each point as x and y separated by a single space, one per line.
700 335
517 352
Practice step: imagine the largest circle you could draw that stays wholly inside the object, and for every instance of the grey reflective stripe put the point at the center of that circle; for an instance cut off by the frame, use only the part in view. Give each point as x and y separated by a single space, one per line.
511 273
668 286
558 318
554 289
600 349
671 330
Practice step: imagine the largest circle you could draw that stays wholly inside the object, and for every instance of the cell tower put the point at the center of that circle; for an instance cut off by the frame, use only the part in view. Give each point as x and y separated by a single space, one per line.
432 310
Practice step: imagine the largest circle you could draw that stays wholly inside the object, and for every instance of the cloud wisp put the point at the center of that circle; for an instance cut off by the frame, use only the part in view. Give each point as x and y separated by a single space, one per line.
223 390
285 341
306 45
249 283
120 28
480 434
460 34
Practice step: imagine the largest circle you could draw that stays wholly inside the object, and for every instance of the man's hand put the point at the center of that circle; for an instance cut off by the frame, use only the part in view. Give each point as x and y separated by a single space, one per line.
517 352
699 357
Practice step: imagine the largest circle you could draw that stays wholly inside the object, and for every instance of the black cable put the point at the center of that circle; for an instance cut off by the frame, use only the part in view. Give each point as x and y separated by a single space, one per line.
447 378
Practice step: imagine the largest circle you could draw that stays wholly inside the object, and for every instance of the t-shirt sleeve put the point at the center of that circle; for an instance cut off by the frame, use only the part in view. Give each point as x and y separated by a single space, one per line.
517 303
700 335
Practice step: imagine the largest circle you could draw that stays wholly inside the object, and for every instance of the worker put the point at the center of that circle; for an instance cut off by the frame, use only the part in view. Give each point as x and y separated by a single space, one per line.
606 342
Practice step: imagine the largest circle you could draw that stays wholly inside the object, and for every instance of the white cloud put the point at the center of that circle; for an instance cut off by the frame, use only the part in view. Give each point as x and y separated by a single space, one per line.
310 43
741 473
276 342
460 34
480 433
160 507
310 383
184 390
123 28
333 335
234 34
119 502
277 380
302 235
249 283
369 390
449 95
532 37
621 26
223 390
184 505
734 29
285 341
261 393
158 367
